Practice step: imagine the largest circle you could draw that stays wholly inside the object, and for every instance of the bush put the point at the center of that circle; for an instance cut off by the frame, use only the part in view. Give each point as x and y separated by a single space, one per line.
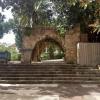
14 53
60 55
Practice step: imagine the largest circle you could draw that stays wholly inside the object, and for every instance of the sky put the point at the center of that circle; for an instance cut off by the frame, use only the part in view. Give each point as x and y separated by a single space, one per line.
8 38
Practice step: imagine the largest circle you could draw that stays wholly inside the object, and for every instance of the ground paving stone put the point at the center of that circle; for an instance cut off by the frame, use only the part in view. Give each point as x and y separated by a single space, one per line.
50 92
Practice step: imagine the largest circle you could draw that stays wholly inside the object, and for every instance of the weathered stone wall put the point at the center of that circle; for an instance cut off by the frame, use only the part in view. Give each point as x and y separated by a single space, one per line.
39 48
39 34
68 44
71 40
84 37
26 55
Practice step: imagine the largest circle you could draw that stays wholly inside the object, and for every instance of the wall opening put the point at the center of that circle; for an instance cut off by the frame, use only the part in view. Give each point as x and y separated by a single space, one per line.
48 50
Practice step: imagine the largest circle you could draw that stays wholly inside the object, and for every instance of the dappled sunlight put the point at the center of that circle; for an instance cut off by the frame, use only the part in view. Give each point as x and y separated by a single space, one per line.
48 97
6 85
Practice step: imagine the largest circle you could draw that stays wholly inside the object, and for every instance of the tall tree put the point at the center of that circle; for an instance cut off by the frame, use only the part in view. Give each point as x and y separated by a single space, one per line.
31 12
85 12
1 19
61 13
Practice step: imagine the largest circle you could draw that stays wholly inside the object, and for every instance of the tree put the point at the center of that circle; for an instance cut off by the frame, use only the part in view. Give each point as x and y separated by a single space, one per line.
31 12
62 14
1 19
80 7
14 54
28 14
38 12
83 12
1 26
5 26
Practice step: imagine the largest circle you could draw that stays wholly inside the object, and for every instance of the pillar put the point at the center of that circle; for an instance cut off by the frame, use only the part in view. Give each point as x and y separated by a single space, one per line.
71 40
26 56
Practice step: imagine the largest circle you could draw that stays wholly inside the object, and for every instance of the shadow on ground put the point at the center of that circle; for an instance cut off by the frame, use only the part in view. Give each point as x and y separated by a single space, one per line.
66 91
70 90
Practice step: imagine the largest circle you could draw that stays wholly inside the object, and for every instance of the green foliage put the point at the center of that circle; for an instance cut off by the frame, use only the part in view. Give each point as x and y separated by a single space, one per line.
5 27
28 14
27 31
59 55
61 14
31 12
44 56
52 52
14 25
18 39
97 28
1 25
61 30
14 54
72 12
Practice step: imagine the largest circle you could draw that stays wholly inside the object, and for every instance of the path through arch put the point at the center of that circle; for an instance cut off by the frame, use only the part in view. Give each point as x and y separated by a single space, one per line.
46 45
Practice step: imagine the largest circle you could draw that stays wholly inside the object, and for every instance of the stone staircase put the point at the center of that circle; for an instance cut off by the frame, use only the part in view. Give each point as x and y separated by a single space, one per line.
46 73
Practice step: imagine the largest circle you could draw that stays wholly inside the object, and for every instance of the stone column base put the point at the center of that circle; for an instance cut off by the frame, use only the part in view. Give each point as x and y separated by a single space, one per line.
26 56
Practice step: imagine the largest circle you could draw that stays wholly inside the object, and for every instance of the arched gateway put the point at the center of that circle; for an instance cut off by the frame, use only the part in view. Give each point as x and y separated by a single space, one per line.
39 34
44 43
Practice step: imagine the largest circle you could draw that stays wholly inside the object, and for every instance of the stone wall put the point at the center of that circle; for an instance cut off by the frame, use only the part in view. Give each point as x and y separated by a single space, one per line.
38 35
84 37
68 44
71 40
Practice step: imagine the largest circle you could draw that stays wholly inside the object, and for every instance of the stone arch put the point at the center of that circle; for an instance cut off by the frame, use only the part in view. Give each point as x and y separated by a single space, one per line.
39 34
68 43
41 43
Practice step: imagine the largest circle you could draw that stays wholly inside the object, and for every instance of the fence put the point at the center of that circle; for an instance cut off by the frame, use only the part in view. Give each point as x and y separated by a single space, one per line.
88 53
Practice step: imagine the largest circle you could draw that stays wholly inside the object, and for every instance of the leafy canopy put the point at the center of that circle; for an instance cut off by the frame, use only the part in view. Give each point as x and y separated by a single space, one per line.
62 14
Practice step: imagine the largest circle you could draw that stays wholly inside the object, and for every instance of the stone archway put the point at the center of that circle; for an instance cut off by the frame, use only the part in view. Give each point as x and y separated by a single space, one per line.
42 44
68 43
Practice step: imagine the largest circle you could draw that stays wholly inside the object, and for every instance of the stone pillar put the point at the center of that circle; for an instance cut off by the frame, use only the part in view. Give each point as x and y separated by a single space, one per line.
26 56
71 40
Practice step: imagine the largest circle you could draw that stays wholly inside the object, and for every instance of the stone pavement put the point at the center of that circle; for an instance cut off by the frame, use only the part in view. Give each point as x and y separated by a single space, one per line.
50 92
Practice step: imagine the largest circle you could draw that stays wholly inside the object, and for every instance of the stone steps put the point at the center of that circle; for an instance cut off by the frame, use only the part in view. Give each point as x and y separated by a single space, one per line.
49 82
42 72
50 78
51 71
48 73
49 67
43 64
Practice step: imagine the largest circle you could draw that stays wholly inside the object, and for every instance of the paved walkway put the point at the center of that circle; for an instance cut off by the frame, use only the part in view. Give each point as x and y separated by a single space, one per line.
50 92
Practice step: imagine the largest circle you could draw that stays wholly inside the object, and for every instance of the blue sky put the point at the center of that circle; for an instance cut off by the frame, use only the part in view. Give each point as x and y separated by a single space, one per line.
10 37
